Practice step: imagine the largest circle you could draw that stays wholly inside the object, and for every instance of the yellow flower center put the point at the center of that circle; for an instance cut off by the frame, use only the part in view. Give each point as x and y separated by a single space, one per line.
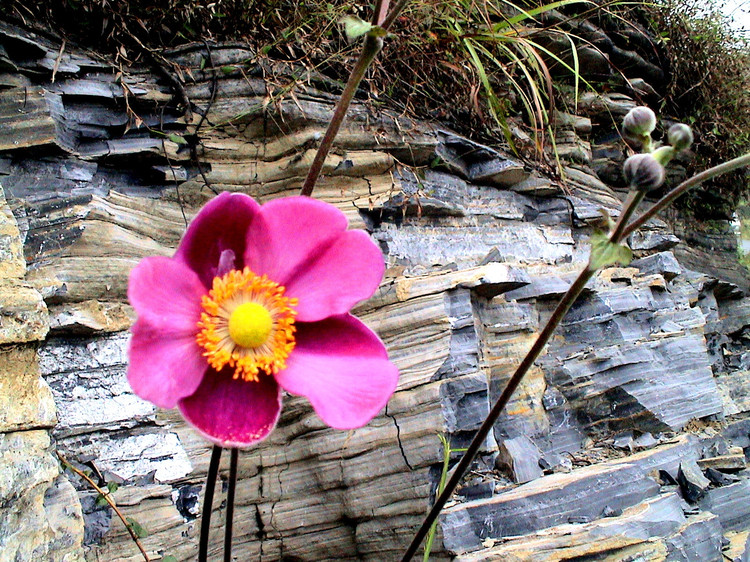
248 324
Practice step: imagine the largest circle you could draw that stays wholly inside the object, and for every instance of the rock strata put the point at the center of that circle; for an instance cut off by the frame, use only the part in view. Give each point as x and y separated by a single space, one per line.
478 248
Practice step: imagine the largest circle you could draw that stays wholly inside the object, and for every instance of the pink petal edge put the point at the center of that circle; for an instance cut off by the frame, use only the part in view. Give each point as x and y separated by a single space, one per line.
349 271
221 225
232 412
342 368
165 361
302 244
163 367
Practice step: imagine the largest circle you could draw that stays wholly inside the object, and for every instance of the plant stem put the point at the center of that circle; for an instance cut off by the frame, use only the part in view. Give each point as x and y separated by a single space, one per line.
234 456
370 49
380 11
107 497
697 179
633 200
536 349
208 501
390 18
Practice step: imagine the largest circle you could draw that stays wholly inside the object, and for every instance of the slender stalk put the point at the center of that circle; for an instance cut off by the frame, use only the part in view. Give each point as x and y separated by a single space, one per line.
634 198
234 456
107 497
697 179
395 12
208 501
370 49
380 11
536 349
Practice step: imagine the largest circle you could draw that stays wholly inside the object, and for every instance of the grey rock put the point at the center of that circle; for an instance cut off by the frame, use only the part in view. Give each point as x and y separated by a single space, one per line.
645 441
540 504
699 539
662 263
719 478
477 162
649 240
624 440
731 504
692 482
521 456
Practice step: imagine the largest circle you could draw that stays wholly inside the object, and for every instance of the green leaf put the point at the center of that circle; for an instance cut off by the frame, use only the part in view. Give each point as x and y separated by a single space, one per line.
203 63
604 252
354 27
177 138
228 69
101 500
112 487
169 558
139 531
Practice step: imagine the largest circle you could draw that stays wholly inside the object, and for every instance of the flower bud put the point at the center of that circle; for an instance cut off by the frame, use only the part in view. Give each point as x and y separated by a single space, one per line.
680 136
663 154
643 172
638 122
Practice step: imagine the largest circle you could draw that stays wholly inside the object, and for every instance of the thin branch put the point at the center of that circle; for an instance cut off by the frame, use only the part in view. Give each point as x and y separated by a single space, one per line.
380 11
397 9
208 501
473 448
562 308
370 48
697 179
229 520
108 498
619 233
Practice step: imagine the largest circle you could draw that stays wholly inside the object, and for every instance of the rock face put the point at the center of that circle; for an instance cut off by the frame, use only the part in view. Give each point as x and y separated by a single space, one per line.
649 373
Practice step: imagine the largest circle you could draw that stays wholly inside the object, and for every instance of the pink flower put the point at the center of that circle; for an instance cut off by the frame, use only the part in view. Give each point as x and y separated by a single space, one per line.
255 300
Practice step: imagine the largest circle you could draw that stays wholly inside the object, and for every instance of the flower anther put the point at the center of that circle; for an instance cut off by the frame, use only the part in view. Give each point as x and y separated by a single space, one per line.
248 324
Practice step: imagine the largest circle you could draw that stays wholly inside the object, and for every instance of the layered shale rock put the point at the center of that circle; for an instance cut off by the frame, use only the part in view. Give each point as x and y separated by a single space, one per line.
649 372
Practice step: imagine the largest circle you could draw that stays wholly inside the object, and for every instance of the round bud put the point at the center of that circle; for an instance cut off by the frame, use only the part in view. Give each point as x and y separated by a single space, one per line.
638 122
680 136
643 172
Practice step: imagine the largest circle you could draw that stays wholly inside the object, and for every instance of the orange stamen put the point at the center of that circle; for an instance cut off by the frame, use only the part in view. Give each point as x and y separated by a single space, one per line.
227 294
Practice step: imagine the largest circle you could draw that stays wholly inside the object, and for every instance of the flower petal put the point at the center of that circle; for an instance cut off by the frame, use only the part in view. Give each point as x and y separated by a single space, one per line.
221 225
347 272
233 412
302 244
166 292
342 367
166 363
164 367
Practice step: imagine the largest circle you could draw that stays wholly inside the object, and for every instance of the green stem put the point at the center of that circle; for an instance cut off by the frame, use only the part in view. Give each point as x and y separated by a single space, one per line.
697 179
635 196
562 308
208 501
229 521
370 50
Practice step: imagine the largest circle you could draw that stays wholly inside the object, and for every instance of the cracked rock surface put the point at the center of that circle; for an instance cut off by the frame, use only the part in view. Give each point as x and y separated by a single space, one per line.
649 372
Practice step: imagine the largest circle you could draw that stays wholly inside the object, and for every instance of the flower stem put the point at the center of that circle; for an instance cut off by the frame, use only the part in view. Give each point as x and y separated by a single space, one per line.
234 456
573 292
697 179
208 501
370 49
634 198
106 495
